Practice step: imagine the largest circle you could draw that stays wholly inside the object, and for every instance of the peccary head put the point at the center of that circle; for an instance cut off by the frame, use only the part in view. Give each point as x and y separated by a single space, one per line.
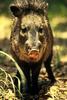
31 37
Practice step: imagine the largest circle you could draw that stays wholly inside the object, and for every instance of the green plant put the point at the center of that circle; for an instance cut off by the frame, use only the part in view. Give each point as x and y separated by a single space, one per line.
7 80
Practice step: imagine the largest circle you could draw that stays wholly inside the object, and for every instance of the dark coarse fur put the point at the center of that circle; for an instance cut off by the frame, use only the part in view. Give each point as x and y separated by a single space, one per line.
23 7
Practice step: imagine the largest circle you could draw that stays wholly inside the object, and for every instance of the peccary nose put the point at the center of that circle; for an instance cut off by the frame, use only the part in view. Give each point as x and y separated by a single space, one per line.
35 45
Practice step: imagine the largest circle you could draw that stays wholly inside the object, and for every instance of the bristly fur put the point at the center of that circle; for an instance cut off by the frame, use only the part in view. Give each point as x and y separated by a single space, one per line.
32 4
18 48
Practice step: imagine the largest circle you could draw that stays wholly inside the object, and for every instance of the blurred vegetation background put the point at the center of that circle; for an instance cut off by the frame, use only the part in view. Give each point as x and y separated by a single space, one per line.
57 13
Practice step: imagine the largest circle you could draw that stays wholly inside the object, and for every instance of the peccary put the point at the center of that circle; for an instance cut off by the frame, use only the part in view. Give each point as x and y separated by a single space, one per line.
32 40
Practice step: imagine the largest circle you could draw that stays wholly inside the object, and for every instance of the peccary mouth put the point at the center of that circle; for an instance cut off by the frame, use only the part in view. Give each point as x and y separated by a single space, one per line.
33 54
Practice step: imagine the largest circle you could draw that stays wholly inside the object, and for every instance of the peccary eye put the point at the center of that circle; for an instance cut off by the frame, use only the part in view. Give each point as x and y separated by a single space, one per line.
40 30
24 30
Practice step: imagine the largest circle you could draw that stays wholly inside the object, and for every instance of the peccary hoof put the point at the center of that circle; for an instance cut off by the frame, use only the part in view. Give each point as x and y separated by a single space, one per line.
52 82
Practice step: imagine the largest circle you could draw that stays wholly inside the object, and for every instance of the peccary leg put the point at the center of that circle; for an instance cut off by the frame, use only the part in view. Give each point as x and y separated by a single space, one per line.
28 80
49 69
35 73
27 87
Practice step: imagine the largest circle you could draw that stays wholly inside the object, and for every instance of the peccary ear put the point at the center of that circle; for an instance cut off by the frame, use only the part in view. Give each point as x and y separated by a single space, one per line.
16 10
